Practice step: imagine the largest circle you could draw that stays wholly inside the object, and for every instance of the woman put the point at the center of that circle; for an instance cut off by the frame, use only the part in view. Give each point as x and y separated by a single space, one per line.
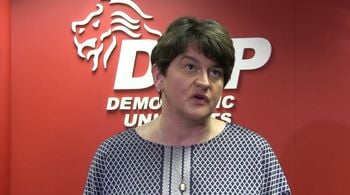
185 150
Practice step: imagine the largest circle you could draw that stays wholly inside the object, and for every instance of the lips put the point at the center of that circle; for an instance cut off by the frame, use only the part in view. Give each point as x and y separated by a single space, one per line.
200 98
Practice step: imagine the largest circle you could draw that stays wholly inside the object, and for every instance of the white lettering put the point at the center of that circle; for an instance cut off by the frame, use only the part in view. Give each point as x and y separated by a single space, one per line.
144 119
227 117
140 103
262 50
133 103
222 116
139 119
127 122
155 103
125 103
112 103
227 101
124 76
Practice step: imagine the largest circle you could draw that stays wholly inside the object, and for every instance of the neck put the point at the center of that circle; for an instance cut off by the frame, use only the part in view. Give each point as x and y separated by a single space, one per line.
179 132
182 133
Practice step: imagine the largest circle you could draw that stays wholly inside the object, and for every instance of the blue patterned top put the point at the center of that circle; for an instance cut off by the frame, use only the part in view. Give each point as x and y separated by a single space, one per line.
237 161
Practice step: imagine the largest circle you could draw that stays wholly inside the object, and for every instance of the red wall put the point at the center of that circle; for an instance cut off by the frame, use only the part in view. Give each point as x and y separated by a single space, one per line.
56 111
322 77
4 96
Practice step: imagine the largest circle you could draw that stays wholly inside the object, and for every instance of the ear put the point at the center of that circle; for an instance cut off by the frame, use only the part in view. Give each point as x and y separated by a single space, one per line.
158 77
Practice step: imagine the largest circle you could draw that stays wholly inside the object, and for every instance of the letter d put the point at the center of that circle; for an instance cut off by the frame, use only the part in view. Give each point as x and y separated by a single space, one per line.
124 76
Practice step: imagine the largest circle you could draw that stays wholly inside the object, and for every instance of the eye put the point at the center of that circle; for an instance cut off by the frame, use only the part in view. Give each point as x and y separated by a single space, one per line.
216 73
190 67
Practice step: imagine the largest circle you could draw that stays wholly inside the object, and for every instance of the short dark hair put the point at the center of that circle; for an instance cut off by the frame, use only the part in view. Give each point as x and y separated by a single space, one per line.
208 36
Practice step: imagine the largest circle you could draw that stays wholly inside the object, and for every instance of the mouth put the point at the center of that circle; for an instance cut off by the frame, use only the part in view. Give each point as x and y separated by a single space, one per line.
200 98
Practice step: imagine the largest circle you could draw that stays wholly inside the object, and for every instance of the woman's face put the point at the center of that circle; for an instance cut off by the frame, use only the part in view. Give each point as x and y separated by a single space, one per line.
192 86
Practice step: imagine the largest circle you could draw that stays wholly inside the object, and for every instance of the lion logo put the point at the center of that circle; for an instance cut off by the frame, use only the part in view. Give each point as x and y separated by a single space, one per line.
121 24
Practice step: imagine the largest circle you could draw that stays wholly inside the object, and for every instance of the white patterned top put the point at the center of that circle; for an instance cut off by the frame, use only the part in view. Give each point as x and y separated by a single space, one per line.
238 161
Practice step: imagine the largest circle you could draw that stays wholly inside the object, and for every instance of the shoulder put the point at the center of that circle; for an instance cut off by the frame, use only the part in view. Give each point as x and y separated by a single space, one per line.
117 141
245 136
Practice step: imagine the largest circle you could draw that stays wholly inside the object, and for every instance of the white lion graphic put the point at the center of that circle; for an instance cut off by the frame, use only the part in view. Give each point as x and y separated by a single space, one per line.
120 22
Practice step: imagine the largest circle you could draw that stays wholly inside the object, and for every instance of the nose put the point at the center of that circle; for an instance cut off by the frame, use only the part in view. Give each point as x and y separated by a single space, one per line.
202 80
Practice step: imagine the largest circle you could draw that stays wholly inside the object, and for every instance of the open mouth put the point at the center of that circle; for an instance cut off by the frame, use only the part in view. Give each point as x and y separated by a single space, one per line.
201 98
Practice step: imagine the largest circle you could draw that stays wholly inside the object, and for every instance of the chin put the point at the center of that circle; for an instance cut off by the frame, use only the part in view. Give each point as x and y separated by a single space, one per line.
199 116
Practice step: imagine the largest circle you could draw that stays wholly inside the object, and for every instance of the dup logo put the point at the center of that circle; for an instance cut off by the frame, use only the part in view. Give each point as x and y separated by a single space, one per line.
126 31
120 23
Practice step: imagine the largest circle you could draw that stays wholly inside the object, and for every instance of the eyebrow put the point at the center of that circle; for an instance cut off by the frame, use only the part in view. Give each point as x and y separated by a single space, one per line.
189 57
186 56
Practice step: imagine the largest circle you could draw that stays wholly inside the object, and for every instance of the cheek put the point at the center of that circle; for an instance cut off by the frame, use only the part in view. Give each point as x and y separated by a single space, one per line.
178 83
173 86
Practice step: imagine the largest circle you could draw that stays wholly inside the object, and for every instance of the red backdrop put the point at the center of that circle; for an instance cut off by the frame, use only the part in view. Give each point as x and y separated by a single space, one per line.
53 107
4 97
